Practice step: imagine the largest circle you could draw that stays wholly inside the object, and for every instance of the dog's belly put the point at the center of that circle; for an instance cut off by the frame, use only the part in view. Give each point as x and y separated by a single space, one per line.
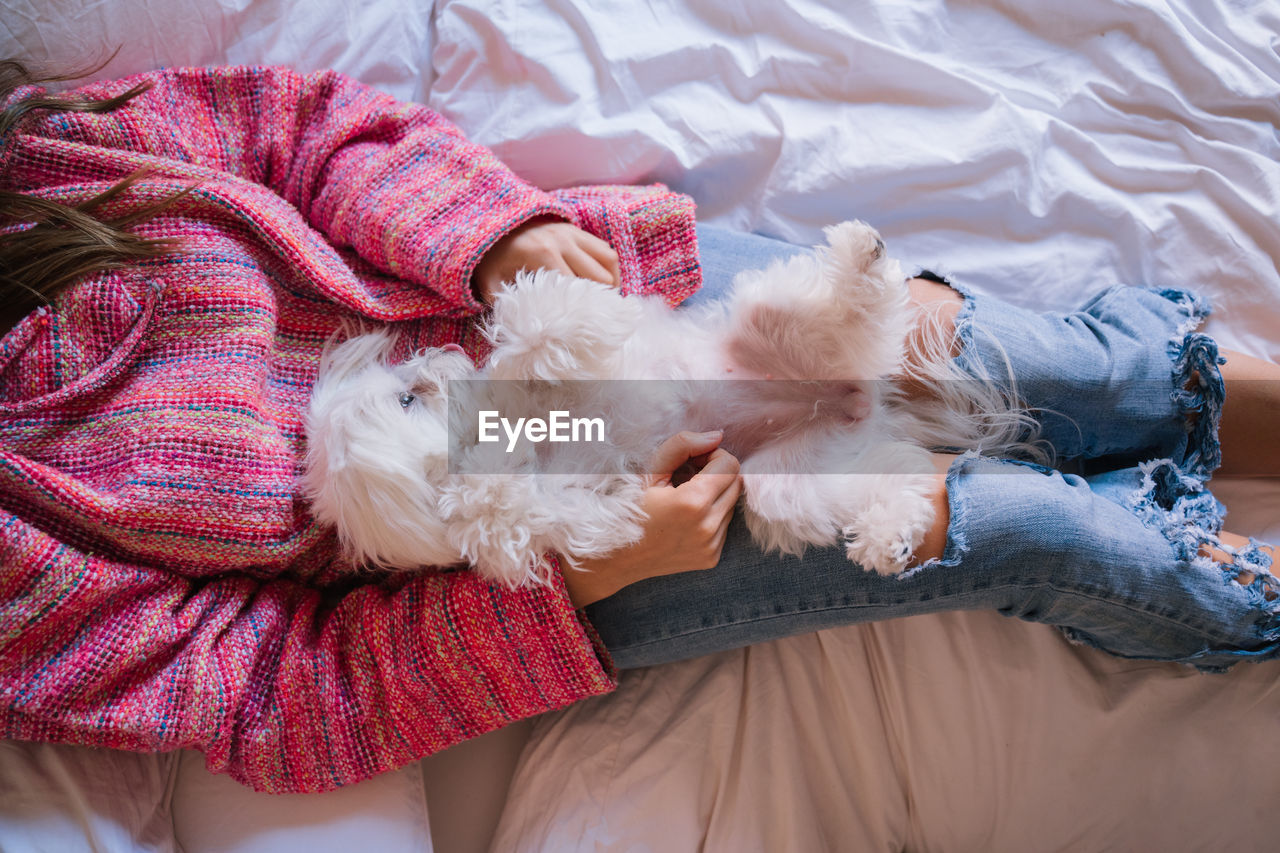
755 413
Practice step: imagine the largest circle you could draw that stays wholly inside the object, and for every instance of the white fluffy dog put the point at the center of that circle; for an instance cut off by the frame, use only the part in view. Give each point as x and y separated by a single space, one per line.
829 453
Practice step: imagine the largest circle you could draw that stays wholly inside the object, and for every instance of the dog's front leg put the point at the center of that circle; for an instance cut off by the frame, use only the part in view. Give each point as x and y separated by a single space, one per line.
504 524
552 326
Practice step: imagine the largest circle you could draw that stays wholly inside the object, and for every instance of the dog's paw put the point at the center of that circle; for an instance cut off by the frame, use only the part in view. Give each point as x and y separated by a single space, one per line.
549 326
870 301
876 552
861 270
885 535
496 523
856 245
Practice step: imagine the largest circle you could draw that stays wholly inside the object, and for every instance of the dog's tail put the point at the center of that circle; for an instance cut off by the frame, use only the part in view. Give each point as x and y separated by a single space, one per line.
947 408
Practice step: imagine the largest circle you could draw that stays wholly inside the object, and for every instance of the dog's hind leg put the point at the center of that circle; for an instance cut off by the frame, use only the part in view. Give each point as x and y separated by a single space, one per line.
891 515
842 313
787 500
875 498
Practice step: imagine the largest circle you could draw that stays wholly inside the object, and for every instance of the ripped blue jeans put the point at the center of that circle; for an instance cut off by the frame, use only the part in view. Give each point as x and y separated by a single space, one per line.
1109 554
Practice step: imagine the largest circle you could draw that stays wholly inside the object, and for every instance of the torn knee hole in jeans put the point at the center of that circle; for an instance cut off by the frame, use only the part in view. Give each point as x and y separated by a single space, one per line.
1178 505
1196 361
1248 565
955 402
1200 391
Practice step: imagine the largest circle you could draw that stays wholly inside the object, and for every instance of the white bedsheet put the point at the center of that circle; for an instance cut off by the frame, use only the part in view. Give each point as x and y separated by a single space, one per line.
1033 148
1037 150
386 43
956 732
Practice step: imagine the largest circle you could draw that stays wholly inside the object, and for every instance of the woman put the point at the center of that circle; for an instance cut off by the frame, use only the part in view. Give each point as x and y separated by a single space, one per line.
165 587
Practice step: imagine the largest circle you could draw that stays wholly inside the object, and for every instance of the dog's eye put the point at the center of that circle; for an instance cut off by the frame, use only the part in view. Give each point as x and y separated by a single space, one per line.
405 399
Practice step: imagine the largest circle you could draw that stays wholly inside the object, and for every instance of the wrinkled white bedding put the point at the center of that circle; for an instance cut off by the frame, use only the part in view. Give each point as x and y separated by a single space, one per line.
386 43
1033 149
1038 150
956 732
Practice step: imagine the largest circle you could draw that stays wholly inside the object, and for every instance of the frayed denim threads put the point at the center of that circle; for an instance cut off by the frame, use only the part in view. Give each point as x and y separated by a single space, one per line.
1168 494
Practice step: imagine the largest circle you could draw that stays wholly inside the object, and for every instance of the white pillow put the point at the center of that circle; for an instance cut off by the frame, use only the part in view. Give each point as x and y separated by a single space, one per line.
386 43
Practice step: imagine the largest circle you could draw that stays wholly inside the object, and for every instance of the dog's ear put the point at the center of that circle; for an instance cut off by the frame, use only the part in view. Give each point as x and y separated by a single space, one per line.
340 361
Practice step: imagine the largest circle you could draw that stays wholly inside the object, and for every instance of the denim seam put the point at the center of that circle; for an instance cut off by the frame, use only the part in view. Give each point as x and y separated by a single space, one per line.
1146 614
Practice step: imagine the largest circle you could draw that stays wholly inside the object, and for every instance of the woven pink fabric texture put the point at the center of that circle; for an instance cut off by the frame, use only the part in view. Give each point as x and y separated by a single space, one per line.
162 585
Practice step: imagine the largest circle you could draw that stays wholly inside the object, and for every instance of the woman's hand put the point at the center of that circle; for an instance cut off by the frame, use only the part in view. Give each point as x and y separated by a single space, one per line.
687 520
545 243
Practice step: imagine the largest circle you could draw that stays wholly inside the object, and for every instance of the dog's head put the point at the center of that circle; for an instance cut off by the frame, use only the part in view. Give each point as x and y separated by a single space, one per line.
378 449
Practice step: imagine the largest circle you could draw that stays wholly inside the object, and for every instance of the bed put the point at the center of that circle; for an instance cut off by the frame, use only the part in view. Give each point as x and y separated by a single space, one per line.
1035 150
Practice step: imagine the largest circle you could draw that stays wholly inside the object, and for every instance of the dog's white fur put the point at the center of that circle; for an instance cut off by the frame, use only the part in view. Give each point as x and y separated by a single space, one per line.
837 457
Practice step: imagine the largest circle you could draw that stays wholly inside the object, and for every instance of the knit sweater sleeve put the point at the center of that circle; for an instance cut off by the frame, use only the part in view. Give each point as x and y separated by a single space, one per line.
394 181
278 686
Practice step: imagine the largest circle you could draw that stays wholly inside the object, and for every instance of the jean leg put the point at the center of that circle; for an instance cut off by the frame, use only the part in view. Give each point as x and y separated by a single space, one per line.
1116 568
1114 378
1026 541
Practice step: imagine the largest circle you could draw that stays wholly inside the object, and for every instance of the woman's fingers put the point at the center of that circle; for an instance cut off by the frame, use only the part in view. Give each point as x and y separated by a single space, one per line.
718 478
685 526
546 243
584 265
677 450
727 479
722 533
720 462
604 255
711 495
726 500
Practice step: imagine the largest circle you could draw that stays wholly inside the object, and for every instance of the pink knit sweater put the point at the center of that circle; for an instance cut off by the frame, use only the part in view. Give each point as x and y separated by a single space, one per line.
162 583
